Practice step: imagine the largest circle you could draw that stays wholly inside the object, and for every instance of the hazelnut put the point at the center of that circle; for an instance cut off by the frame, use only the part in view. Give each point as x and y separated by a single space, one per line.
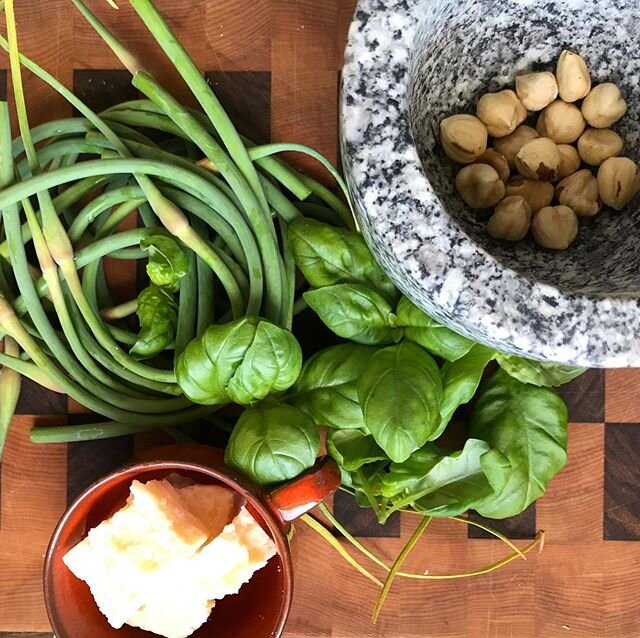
539 159
512 143
574 81
536 194
569 160
495 160
480 185
561 122
604 105
554 227
598 144
511 219
618 181
463 137
501 112
580 193
536 90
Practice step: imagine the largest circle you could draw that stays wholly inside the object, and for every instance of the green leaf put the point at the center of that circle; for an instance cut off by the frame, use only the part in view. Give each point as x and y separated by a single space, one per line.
327 389
352 449
427 332
272 363
327 255
400 394
168 263
528 425
460 380
402 477
158 315
541 373
451 486
354 312
242 361
273 443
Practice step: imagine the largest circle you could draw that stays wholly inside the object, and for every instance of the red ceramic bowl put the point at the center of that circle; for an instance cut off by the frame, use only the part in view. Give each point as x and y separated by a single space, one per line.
261 607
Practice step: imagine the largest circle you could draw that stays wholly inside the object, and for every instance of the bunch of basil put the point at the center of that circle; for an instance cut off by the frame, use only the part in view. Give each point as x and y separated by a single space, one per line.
385 399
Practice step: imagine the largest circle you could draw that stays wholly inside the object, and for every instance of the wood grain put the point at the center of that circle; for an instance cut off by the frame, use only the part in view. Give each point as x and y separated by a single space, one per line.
585 397
33 498
622 477
623 396
570 510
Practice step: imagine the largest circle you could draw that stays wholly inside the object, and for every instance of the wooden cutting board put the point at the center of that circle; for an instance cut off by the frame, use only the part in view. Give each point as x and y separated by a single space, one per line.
275 64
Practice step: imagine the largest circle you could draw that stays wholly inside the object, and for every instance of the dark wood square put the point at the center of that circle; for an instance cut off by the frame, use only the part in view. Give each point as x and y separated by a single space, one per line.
34 399
246 97
585 397
621 481
515 527
363 522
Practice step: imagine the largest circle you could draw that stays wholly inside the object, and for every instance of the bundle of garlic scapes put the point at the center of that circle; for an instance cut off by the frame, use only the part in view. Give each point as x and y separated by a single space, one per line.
214 211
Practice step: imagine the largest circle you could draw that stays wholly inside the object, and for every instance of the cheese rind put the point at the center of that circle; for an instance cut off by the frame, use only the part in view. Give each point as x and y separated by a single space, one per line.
215 505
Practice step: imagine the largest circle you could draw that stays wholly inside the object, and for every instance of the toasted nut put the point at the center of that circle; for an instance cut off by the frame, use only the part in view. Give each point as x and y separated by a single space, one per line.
512 143
580 193
574 81
537 194
480 185
604 105
463 137
492 158
569 160
536 90
501 112
618 181
554 227
561 122
539 159
598 144
511 219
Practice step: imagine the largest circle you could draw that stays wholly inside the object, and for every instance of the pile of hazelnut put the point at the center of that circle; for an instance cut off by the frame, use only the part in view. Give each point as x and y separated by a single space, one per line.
549 190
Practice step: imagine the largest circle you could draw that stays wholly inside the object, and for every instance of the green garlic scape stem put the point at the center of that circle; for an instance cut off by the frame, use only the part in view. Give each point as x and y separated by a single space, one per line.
230 215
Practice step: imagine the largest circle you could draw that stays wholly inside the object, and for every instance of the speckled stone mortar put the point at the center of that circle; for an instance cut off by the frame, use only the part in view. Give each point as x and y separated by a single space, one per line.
410 63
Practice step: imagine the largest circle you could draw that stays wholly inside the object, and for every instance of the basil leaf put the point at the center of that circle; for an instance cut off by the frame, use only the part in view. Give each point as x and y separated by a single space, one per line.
352 449
158 315
529 426
168 263
273 443
272 363
460 380
242 361
327 255
354 312
400 394
327 389
447 488
402 477
427 332
541 373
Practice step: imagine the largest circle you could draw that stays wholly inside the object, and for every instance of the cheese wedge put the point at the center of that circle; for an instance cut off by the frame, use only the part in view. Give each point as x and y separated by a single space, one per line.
152 565
120 556
229 560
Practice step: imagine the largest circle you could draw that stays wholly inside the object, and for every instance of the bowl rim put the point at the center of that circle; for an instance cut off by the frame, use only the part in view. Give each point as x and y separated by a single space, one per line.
274 526
539 321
